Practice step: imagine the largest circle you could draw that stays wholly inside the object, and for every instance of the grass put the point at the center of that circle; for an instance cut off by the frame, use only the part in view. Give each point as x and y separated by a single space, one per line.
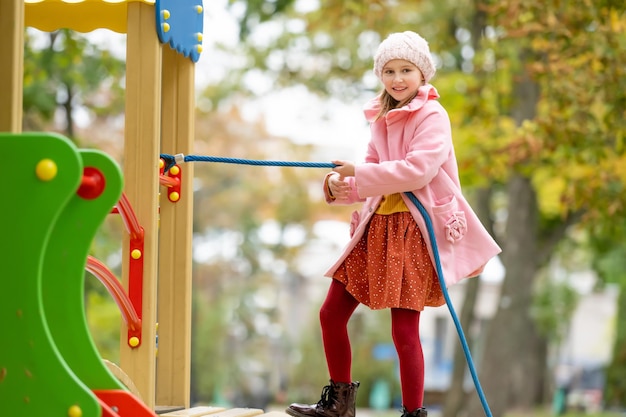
543 412
547 412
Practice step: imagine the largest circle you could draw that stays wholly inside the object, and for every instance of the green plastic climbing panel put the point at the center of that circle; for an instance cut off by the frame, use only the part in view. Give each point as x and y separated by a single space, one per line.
55 198
44 172
64 267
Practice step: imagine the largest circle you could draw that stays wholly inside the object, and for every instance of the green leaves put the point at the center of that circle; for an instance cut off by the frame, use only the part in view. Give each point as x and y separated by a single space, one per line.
64 70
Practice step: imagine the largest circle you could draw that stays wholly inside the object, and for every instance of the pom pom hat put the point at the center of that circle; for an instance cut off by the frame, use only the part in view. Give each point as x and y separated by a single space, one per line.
408 46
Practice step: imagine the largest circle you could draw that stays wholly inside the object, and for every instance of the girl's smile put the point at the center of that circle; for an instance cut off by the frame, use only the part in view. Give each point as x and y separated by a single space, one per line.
401 79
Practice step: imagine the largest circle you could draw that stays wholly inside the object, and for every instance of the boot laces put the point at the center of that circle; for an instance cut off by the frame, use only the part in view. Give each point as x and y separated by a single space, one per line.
328 396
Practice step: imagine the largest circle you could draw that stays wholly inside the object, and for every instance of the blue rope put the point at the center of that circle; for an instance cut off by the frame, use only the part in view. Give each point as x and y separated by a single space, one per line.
172 160
457 323
257 162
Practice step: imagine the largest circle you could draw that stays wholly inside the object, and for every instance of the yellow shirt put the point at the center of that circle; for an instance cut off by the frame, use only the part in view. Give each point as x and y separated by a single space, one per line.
392 203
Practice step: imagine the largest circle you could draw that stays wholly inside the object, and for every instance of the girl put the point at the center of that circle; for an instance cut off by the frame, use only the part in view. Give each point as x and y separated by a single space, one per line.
389 261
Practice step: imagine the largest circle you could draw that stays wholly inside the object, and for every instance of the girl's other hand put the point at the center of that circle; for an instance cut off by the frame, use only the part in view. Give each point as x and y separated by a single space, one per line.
338 187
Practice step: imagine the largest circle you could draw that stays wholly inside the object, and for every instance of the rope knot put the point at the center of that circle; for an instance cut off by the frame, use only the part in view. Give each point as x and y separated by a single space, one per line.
169 160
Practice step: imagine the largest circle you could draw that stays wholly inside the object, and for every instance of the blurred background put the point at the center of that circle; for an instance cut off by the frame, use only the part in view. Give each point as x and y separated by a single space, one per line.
536 92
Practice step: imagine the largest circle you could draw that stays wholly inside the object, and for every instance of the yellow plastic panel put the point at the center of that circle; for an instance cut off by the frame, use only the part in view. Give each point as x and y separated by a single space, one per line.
79 15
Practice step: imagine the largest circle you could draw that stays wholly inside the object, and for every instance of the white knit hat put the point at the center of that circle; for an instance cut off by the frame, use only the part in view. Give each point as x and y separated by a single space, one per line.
408 46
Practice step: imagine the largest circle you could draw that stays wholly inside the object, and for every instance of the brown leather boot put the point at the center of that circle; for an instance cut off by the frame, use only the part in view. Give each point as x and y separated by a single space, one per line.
418 412
338 400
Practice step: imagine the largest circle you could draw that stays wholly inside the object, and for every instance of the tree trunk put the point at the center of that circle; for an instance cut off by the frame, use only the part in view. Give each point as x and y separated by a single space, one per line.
529 382
615 381
515 353
68 107
510 336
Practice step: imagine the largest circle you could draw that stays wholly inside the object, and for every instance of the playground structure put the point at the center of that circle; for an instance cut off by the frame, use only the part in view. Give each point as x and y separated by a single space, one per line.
48 363
57 197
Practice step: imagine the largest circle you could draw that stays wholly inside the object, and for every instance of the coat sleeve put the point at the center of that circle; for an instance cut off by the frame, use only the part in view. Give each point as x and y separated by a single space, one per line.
425 145
371 155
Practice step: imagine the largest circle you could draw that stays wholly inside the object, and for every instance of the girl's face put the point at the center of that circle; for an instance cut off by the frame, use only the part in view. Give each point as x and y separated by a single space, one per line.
401 79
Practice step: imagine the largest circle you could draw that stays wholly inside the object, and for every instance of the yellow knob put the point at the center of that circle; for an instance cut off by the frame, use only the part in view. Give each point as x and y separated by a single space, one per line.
46 170
75 411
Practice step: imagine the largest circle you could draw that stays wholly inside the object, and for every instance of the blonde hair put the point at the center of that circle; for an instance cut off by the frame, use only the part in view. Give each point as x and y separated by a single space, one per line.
388 103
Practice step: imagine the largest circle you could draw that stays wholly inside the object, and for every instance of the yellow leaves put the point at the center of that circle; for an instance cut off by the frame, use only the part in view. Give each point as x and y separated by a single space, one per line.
541 44
619 167
557 188
524 144
564 188
550 190
483 150
579 172
526 17
596 65
617 23
599 110
582 59
551 19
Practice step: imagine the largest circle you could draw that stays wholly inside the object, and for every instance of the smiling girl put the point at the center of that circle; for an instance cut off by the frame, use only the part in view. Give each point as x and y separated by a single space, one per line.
389 261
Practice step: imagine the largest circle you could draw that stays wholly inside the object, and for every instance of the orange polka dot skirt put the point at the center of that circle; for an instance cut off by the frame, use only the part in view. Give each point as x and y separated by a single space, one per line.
390 266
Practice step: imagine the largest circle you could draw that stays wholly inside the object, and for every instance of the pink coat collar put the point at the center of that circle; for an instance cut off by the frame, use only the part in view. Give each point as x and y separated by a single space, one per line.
425 93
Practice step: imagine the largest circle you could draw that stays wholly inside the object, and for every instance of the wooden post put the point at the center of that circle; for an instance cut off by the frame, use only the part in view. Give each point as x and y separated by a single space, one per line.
11 64
141 179
174 292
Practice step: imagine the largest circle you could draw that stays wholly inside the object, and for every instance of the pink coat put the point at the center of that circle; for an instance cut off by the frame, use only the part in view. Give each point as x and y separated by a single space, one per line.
411 150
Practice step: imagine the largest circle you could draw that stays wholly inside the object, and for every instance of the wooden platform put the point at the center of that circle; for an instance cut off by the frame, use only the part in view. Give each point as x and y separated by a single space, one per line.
203 411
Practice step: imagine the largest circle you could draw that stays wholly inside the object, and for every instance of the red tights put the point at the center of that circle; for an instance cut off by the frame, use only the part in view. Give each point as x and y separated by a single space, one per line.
334 315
